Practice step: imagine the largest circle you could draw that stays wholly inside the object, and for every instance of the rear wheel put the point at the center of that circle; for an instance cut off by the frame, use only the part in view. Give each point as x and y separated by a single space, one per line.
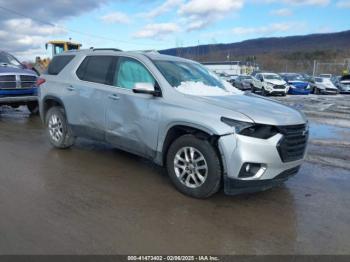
33 108
58 130
194 167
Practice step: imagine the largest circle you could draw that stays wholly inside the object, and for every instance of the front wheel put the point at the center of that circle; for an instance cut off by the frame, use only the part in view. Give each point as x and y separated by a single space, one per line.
263 92
252 88
33 108
194 167
58 130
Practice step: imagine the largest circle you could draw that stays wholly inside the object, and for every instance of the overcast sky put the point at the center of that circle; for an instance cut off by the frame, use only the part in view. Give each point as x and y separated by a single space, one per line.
153 24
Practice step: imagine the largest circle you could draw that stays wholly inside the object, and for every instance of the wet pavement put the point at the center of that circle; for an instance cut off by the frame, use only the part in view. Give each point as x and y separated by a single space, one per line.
93 199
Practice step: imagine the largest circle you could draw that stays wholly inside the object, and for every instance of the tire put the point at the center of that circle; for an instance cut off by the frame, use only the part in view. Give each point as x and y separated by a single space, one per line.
203 182
253 89
59 133
317 92
33 108
263 92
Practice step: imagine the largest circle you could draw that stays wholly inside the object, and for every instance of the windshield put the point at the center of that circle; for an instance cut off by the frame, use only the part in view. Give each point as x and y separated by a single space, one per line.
294 78
246 78
177 73
7 59
194 79
272 77
318 80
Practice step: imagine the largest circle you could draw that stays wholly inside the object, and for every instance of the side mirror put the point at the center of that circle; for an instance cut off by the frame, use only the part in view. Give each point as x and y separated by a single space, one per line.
146 88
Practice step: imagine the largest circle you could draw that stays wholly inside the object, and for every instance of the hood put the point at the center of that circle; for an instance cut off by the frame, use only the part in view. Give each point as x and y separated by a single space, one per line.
260 110
275 81
299 84
15 70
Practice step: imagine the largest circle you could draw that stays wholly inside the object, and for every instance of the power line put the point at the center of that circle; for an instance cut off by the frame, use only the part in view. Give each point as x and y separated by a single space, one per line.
68 29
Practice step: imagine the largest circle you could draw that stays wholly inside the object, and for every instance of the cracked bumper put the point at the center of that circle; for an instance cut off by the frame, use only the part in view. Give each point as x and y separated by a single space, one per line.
236 150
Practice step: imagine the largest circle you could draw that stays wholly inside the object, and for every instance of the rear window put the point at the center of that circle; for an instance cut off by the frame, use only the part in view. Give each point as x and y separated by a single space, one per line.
97 69
58 63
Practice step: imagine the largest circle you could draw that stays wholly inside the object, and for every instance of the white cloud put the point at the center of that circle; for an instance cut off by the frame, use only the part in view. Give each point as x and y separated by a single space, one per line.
157 30
26 37
299 2
205 7
162 9
264 30
116 18
282 12
201 13
343 4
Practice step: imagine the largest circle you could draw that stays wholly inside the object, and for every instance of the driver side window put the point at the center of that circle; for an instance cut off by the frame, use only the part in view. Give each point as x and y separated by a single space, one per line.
129 72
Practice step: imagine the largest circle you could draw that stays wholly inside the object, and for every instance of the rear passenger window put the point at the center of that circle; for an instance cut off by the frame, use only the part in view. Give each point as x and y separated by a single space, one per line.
58 63
97 69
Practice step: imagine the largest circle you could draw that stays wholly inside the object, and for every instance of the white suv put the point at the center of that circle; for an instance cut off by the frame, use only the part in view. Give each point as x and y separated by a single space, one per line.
272 84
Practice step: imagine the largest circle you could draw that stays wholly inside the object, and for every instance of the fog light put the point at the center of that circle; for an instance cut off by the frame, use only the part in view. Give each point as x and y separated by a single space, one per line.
251 171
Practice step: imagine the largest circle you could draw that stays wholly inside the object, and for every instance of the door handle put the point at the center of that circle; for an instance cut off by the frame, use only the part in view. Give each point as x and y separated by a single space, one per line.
70 88
114 97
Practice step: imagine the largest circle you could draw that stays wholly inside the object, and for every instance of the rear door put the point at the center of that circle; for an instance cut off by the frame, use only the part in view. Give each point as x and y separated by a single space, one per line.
132 119
87 102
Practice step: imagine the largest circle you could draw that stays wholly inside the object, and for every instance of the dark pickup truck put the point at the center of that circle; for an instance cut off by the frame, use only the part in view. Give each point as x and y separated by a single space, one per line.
17 84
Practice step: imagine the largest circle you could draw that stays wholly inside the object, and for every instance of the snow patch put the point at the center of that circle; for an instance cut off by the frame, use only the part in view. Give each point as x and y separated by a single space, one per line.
200 89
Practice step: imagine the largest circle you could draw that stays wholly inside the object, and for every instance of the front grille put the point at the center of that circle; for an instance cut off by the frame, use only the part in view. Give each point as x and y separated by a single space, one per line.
7 78
279 87
25 78
292 146
7 85
331 90
17 81
288 173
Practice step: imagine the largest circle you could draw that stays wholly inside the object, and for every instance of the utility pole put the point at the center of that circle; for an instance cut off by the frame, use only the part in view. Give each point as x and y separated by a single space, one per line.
314 70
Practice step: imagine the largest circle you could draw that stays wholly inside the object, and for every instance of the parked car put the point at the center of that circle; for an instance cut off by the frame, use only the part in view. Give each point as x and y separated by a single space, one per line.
247 82
297 84
324 86
326 76
17 84
272 84
176 113
343 84
232 79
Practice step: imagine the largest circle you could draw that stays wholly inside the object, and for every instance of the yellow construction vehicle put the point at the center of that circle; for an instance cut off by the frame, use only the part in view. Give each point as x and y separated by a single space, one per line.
58 46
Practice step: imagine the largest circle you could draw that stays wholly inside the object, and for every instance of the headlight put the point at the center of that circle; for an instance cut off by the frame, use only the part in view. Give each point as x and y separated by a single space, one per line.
251 129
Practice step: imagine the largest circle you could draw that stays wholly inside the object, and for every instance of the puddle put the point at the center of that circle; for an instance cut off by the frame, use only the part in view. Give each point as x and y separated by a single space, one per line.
325 131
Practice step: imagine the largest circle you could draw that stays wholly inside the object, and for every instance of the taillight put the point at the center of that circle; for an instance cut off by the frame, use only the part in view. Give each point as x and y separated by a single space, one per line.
40 81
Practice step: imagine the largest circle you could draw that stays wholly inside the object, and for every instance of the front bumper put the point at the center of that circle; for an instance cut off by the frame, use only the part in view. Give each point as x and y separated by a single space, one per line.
236 186
328 92
298 91
236 150
17 99
277 91
18 95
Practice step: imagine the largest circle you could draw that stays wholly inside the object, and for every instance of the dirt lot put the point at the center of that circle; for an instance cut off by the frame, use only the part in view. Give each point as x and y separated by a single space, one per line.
93 199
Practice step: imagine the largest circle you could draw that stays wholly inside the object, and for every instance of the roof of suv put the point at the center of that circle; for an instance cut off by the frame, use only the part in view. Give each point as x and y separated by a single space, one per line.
153 55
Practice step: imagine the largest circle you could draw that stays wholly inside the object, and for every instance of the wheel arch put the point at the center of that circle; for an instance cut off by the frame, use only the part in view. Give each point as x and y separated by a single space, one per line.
49 102
177 130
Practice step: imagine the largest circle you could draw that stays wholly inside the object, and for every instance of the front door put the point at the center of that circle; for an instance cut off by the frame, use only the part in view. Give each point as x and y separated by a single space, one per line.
132 119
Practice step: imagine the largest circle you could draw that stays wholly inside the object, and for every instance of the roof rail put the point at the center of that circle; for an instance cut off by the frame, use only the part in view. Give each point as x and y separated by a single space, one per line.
107 49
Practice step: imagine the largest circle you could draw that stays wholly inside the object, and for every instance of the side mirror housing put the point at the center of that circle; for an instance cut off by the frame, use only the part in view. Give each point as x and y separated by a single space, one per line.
146 88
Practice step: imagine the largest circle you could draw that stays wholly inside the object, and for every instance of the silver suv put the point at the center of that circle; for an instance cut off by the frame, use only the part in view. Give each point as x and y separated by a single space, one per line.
176 113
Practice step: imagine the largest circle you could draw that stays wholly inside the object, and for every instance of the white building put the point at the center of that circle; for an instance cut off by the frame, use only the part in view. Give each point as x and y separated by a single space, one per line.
229 67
